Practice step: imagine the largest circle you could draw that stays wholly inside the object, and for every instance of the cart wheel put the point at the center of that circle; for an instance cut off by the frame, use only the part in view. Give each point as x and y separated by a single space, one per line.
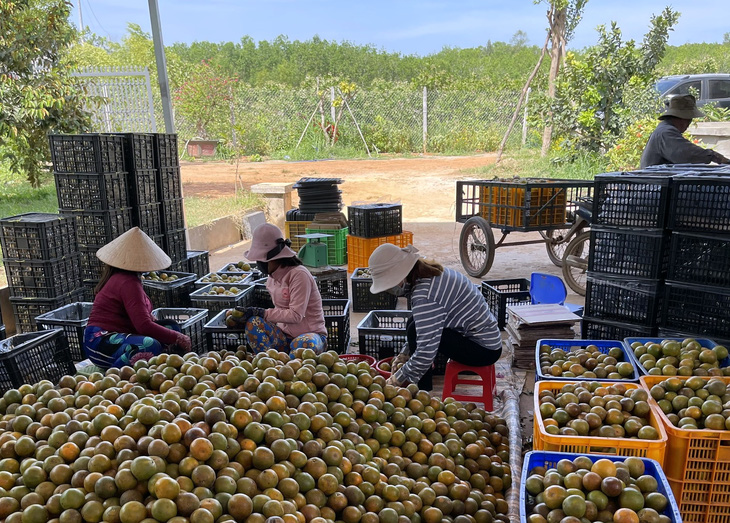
575 262
476 247
555 244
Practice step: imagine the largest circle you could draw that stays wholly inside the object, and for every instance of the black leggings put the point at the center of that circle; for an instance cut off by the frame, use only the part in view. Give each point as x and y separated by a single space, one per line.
455 346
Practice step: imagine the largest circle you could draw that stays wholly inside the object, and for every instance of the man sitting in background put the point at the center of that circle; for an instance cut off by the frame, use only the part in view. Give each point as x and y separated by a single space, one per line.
667 145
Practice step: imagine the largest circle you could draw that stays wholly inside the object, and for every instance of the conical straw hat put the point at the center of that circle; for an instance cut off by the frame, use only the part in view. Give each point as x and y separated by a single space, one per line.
134 251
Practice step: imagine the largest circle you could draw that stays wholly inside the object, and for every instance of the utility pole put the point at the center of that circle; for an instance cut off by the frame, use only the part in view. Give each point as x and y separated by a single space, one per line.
81 22
161 66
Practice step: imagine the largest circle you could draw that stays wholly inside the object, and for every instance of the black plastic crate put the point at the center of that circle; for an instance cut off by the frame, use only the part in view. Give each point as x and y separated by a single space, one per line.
218 337
2 332
169 183
87 153
696 308
143 187
598 329
261 296
26 310
87 290
632 200
191 322
700 259
72 320
365 301
170 294
43 279
439 364
147 218
501 293
139 151
92 191
32 357
295 215
217 303
198 262
700 203
626 300
634 253
173 215
97 228
337 320
90 265
38 236
331 282
214 278
375 219
382 334
176 245
166 152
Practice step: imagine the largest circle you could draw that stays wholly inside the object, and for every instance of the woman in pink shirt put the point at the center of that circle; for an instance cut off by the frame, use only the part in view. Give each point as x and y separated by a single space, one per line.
297 319
121 328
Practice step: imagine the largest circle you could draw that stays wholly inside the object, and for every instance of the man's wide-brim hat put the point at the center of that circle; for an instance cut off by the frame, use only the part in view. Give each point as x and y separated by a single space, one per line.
134 251
682 106
268 244
389 265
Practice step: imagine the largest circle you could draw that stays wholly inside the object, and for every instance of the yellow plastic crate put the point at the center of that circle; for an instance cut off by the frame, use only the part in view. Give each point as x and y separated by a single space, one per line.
359 249
697 466
506 205
292 229
541 440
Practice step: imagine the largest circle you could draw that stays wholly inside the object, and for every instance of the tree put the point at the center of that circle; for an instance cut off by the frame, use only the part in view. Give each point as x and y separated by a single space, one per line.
563 17
37 92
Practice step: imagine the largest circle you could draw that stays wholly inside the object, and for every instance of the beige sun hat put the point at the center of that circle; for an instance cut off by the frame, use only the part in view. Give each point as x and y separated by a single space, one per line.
682 106
134 251
390 264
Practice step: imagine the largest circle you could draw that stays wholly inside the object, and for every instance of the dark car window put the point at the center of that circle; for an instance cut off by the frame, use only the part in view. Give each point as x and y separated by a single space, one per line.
719 89
692 88
665 84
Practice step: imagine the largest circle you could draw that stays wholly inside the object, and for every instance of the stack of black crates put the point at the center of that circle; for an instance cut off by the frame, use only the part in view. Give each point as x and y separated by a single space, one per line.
42 265
628 257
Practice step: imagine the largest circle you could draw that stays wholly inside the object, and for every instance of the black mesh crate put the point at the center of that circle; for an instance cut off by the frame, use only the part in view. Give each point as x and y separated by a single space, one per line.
139 151
331 282
91 191
90 265
198 262
32 357
626 300
439 364
2 332
295 215
501 293
87 153
700 258
375 219
631 200
43 279
382 334
170 293
337 320
191 322
97 228
88 290
166 154
261 296
72 320
365 301
598 329
634 253
176 245
169 183
143 187
700 203
696 308
38 236
26 310
147 218
218 337
173 215
218 302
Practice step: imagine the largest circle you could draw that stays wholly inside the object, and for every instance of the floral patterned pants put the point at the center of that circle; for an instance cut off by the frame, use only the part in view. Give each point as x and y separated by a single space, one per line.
262 336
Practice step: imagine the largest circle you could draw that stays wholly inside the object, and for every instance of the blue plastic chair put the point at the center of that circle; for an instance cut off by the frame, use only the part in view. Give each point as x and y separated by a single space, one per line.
546 288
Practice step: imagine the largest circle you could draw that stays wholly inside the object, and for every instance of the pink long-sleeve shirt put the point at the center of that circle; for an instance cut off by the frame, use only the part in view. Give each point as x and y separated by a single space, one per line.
297 302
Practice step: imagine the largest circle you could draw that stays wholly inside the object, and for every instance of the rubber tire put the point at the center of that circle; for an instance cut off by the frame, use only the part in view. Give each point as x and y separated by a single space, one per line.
476 237
555 251
581 245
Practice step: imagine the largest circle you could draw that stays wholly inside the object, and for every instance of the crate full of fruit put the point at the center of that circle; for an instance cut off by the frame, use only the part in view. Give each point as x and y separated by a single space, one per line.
169 289
217 278
584 360
678 356
216 298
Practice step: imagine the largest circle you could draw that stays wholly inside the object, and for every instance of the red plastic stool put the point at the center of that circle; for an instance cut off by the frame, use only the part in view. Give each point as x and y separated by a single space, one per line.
487 380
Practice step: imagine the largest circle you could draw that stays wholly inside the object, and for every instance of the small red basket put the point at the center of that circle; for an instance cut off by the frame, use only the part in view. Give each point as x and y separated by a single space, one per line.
383 373
357 358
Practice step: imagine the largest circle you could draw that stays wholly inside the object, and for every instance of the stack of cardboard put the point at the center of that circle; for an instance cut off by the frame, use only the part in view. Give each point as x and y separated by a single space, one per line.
526 324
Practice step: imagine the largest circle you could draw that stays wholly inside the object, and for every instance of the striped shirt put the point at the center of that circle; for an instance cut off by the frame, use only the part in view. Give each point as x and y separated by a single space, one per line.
450 301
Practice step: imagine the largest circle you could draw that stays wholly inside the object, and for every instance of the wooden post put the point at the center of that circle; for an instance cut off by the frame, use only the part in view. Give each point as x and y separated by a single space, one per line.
425 118
524 118
333 113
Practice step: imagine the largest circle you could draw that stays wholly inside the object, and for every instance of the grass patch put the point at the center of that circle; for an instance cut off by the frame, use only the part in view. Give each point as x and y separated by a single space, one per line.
527 163
199 211
18 197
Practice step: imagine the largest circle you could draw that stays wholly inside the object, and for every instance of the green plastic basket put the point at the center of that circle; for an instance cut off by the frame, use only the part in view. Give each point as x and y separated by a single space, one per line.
336 244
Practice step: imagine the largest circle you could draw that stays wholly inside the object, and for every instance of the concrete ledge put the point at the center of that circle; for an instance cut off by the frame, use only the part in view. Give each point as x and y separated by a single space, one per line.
219 233
716 134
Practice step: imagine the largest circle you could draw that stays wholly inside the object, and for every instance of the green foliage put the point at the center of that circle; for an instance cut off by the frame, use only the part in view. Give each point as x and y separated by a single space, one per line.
527 163
17 196
37 92
713 113
625 155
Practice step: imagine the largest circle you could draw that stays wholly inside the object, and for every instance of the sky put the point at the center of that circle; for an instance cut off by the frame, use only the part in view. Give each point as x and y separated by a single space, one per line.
419 27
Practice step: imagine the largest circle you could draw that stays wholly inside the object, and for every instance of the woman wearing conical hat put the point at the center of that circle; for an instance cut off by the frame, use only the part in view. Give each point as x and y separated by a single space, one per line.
121 328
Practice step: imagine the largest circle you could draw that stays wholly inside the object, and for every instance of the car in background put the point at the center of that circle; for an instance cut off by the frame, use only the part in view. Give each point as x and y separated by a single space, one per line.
710 87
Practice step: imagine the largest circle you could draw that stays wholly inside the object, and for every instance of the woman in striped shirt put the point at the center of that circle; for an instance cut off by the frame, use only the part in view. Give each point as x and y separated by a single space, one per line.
449 313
